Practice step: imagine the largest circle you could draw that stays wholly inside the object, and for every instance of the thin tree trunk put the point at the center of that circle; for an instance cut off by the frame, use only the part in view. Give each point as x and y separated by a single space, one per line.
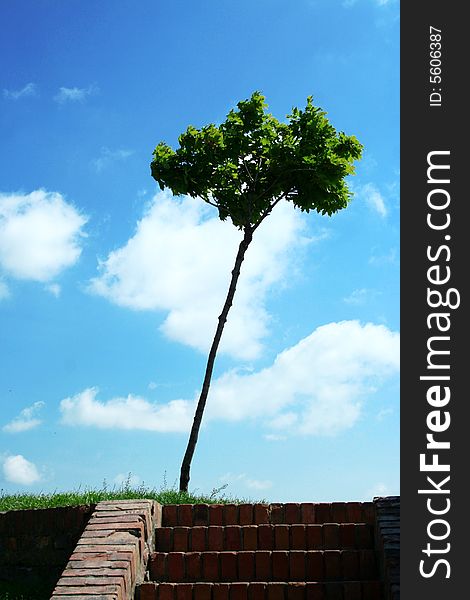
186 464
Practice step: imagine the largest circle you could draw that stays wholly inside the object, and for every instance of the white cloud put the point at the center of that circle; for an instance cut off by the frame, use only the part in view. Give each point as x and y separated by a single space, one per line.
29 90
242 478
16 469
179 261
54 289
316 387
40 235
26 420
107 157
360 296
74 94
131 412
373 198
4 290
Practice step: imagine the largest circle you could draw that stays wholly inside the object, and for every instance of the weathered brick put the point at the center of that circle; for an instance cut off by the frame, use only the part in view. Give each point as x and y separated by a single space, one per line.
350 565
176 566
245 514
169 515
250 537
220 591
369 512
330 536
263 565
201 514
202 591
198 538
297 566
296 591
338 512
307 512
280 565
228 566
257 591
315 568
216 514
333 591
332 559
368 564
230 514
354 512
352 590
314 591
148 591
275 591
347 537
185 515
277 514
180 539
371 590
233 537
215 538
314 535
265 537
246 566
166 591
281 537
261 514
322 513
157 566
292 513
193 566
184 591
239 591
298 538
210 566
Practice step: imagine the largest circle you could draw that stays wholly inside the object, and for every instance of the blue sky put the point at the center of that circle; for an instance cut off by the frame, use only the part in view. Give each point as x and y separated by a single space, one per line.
110 289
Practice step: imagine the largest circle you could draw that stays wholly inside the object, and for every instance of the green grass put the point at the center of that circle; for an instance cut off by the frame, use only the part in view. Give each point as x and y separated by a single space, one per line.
164 495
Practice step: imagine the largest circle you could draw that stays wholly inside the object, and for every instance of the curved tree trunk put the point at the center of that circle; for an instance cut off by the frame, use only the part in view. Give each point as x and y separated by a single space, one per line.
186 464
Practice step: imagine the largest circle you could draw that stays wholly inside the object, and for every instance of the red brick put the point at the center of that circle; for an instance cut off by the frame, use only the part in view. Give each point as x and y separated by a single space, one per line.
215 538
352 590
193 566
250 537
198 539
261 514
180 539
210 566
184 591
202 591
277 513
166 591
347 538
239 591
331 536
275 591
201 514
334 591
292 513
230 512
369 512
148 591
350 565
265 537
185 515
221 591
332 560
246 566
298 537
307 512
297 566
364 538
315 591
246 514
354 512
175 566
368 564
233 537
228 566
263 565
157 566
315 568
371 590
322 513
257 591
338 512
170 515
281 537
280 565
314 535
296 591
216 514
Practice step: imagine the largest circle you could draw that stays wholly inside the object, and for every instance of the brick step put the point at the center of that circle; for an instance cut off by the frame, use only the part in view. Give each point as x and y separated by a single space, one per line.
346 590
263 565
328 536
188 515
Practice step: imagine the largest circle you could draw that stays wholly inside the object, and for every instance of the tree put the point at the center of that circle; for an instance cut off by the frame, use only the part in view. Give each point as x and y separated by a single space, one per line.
244 167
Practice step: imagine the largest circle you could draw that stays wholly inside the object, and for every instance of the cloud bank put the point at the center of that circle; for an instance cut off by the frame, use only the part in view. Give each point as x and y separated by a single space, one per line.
16 469
26 420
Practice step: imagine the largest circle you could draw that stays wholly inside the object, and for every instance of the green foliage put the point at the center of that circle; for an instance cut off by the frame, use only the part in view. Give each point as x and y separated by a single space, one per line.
248 163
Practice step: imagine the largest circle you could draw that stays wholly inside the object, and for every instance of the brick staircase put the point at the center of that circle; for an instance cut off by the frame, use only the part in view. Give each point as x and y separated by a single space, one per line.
264 552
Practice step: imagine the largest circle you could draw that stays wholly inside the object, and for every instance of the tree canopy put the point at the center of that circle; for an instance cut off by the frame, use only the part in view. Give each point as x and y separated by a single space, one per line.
248 163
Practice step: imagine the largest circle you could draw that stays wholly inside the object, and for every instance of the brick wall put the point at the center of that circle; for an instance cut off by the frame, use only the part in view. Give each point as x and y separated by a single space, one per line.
35 546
